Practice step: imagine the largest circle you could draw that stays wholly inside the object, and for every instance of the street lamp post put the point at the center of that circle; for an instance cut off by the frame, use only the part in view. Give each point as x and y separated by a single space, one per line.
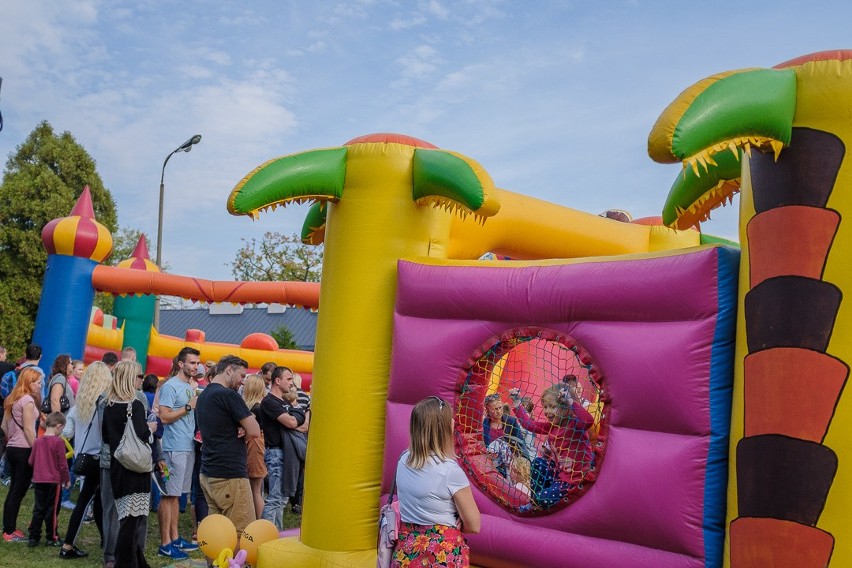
185 147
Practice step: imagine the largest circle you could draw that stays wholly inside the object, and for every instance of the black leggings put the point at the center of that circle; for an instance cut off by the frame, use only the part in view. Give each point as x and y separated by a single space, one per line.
22 476
91 489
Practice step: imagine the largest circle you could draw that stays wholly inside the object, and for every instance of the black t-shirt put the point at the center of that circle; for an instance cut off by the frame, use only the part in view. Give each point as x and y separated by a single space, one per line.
271 407
218 412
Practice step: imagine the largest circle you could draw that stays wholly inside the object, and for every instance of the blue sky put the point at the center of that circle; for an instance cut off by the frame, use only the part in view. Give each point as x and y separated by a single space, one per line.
554 98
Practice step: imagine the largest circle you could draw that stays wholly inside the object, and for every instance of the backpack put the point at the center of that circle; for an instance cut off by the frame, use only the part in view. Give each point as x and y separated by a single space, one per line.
7 383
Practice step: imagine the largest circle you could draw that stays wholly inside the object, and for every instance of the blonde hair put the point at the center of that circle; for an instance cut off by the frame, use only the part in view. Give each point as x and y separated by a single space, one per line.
93 384
254 389
291 396
520 466
23 387
431 432
123 387
561 394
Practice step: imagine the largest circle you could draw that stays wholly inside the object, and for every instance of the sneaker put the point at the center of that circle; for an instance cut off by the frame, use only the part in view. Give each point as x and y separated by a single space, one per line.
7 481
68 505
172 552
194 538
73 552
182 544
32 543
16 536
56 542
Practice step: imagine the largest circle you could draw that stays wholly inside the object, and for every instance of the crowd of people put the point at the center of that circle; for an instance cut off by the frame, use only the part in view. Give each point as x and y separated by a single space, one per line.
234 444
225 441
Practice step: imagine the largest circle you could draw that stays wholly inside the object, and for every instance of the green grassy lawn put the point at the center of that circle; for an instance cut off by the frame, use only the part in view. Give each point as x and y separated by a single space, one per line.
18 554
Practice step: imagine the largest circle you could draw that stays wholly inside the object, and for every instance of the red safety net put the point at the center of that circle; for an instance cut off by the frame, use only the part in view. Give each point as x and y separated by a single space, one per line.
531 420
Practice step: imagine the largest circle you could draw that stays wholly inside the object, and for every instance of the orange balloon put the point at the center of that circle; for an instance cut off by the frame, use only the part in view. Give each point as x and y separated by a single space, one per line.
256 533
215 533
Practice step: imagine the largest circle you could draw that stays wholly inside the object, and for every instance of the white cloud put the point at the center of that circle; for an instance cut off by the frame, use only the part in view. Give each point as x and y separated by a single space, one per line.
419 63
409 22
436 9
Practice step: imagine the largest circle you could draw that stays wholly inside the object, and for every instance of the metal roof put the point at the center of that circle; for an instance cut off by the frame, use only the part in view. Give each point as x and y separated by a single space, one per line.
233 328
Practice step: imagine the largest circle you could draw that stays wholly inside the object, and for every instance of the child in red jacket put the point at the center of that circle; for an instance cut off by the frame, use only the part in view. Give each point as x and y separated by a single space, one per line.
50 471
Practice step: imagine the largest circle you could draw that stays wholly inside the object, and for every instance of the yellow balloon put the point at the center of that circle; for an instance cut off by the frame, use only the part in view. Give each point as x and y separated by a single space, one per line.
255 534
215 533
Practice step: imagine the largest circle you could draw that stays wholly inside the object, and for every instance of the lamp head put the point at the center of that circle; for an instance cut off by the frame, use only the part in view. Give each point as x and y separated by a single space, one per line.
187 146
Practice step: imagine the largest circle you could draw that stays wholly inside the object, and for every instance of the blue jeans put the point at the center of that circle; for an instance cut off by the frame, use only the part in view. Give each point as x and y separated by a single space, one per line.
155 497
66 493
273 509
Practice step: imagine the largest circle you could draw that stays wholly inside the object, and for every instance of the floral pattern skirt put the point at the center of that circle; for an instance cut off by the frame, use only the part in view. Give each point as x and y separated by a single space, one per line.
430 545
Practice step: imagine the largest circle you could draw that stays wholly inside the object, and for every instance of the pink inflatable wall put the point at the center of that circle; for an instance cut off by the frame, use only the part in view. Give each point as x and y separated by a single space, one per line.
661 333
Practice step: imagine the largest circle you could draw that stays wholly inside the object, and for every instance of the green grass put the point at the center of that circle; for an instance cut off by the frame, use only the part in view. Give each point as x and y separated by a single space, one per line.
18 554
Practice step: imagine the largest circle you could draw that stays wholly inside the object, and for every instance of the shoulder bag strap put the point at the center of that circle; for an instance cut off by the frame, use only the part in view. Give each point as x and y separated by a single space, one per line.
393 486
12 414
86 437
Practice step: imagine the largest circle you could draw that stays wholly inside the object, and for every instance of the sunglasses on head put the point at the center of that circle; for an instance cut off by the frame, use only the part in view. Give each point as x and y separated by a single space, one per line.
440 400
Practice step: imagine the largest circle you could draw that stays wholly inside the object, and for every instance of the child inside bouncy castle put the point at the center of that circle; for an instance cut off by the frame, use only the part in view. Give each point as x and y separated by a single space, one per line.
501 434
566 435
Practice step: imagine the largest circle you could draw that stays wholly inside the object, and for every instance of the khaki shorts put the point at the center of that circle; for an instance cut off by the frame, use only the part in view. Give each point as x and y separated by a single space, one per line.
230 497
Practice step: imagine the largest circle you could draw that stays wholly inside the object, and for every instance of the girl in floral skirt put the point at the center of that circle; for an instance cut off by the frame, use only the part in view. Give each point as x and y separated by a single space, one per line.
435 501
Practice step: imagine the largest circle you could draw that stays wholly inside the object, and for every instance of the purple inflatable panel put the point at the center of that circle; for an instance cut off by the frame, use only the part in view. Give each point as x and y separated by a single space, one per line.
652 326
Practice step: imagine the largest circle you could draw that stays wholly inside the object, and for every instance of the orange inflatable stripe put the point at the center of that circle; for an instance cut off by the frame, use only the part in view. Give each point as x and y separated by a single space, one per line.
758 543
126 281
789 381
805 234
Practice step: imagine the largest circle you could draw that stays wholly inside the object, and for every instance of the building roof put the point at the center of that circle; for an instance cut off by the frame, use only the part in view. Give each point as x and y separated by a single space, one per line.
234 327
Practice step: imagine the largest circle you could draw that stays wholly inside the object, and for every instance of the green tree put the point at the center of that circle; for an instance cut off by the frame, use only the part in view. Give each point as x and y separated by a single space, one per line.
277 257
42 181
284 337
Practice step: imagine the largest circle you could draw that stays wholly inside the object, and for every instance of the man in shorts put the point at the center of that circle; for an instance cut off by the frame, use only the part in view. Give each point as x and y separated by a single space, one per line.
225 422
177 413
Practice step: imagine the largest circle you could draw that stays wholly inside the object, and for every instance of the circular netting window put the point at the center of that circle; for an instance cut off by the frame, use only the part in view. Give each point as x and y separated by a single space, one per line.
531 420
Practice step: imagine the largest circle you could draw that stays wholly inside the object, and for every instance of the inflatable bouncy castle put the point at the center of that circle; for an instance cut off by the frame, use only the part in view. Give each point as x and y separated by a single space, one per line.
714 375
66 322
407 221
715 430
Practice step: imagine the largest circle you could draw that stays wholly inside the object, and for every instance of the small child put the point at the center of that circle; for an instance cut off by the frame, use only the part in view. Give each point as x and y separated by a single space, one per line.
519 474
298 412
566 432
50 471
294 471
76 374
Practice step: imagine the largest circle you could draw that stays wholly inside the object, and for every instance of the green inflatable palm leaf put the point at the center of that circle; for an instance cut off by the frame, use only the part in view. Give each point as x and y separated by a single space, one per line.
317 175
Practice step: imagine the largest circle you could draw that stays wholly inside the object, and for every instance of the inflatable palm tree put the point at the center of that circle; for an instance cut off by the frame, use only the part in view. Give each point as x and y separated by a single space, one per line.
387 197
780 135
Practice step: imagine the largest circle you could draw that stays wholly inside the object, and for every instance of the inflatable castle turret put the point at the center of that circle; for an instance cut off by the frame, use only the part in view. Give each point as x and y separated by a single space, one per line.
75 245
135 313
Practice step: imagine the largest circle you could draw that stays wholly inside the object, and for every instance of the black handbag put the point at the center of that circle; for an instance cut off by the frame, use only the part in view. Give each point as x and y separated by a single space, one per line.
64 403
86 464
